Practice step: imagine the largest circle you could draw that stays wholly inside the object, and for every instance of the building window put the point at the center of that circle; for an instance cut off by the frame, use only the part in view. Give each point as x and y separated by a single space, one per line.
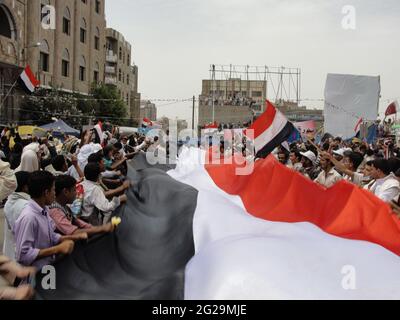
120 75
129 60
44 56
65 64
97 6
120 53
127 99
97 39
256 94
83 31
127 79
96 72
67 22
65 68
7 24
82 69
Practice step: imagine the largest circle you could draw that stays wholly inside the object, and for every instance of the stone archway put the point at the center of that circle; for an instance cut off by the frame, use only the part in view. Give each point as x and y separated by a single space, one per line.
7 23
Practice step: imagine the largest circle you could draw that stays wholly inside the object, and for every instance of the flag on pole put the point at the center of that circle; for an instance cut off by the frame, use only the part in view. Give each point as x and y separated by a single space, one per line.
210 128
392 108
358 125
147 122
98 130
270 130
28 80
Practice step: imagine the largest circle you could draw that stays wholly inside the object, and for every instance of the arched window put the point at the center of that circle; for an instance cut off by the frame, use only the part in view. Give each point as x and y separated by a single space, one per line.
97 39
44 56
82 68
7 23
96 72
65 55
83 30
65 63
67 21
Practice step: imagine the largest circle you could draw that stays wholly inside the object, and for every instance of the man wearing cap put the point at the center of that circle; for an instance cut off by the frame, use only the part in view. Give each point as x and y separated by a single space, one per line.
308 161
339 154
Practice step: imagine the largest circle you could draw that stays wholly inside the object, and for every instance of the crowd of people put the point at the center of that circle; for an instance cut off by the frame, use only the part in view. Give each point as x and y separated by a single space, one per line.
58 192
375 167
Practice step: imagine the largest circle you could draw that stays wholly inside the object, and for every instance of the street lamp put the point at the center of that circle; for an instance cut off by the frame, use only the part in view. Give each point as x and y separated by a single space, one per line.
36 45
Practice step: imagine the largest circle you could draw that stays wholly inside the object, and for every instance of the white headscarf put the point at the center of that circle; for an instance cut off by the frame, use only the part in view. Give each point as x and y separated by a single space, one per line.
29 162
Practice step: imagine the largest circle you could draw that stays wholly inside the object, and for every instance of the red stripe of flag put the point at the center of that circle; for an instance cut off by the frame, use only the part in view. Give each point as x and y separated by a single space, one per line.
35 82
264 121
286 196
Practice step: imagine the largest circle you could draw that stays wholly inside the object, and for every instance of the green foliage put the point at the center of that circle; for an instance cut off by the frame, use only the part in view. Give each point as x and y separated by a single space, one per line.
76 109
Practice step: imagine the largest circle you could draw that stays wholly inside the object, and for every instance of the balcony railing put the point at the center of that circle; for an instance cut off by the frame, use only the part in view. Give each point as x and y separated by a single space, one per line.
110 57
110 70
110 80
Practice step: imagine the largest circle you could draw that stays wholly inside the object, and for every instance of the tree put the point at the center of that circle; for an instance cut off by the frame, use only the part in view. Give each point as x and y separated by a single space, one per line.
108 104
103 102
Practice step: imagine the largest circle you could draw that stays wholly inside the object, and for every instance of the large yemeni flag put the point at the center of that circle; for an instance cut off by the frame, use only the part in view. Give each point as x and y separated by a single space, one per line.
201 231
270 131
28 80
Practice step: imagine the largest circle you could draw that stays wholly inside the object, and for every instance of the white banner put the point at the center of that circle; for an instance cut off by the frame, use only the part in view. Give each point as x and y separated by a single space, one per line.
349 98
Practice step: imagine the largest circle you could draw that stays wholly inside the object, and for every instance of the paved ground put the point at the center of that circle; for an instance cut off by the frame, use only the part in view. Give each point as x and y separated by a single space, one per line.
1 229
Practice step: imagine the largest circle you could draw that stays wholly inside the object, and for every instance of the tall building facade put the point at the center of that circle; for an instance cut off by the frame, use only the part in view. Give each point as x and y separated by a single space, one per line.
231 101
70 57
119 71
67 46
13 33
148 110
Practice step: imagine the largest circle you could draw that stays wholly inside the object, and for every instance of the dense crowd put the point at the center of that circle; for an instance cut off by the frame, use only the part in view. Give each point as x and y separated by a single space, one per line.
58 191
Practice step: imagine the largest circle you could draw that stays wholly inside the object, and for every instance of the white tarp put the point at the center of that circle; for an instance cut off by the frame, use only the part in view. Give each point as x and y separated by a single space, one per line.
349 98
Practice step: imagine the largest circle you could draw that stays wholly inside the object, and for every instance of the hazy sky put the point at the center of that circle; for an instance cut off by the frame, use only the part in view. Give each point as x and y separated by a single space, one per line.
175 41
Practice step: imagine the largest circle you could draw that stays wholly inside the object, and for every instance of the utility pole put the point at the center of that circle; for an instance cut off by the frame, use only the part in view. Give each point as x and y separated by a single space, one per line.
213 88
194 105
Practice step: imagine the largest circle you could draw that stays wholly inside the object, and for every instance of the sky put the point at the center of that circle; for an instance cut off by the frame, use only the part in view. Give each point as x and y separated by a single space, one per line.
175 41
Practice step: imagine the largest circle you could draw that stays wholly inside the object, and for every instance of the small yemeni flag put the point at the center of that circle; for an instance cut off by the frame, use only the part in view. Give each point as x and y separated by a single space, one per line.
392 108
211 128
358 125
99 133
270 130
217 235
147 122
28 80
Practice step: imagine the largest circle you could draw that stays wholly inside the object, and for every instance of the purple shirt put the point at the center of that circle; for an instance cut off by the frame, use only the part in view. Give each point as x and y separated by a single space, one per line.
34 230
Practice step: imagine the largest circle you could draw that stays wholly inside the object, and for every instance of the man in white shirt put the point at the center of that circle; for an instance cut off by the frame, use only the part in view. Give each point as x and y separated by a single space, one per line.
97 209
329 176
386 186
349 166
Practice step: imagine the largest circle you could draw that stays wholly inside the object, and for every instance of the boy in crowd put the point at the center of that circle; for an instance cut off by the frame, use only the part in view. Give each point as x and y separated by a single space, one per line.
37 244
16 202
62 216
96 208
